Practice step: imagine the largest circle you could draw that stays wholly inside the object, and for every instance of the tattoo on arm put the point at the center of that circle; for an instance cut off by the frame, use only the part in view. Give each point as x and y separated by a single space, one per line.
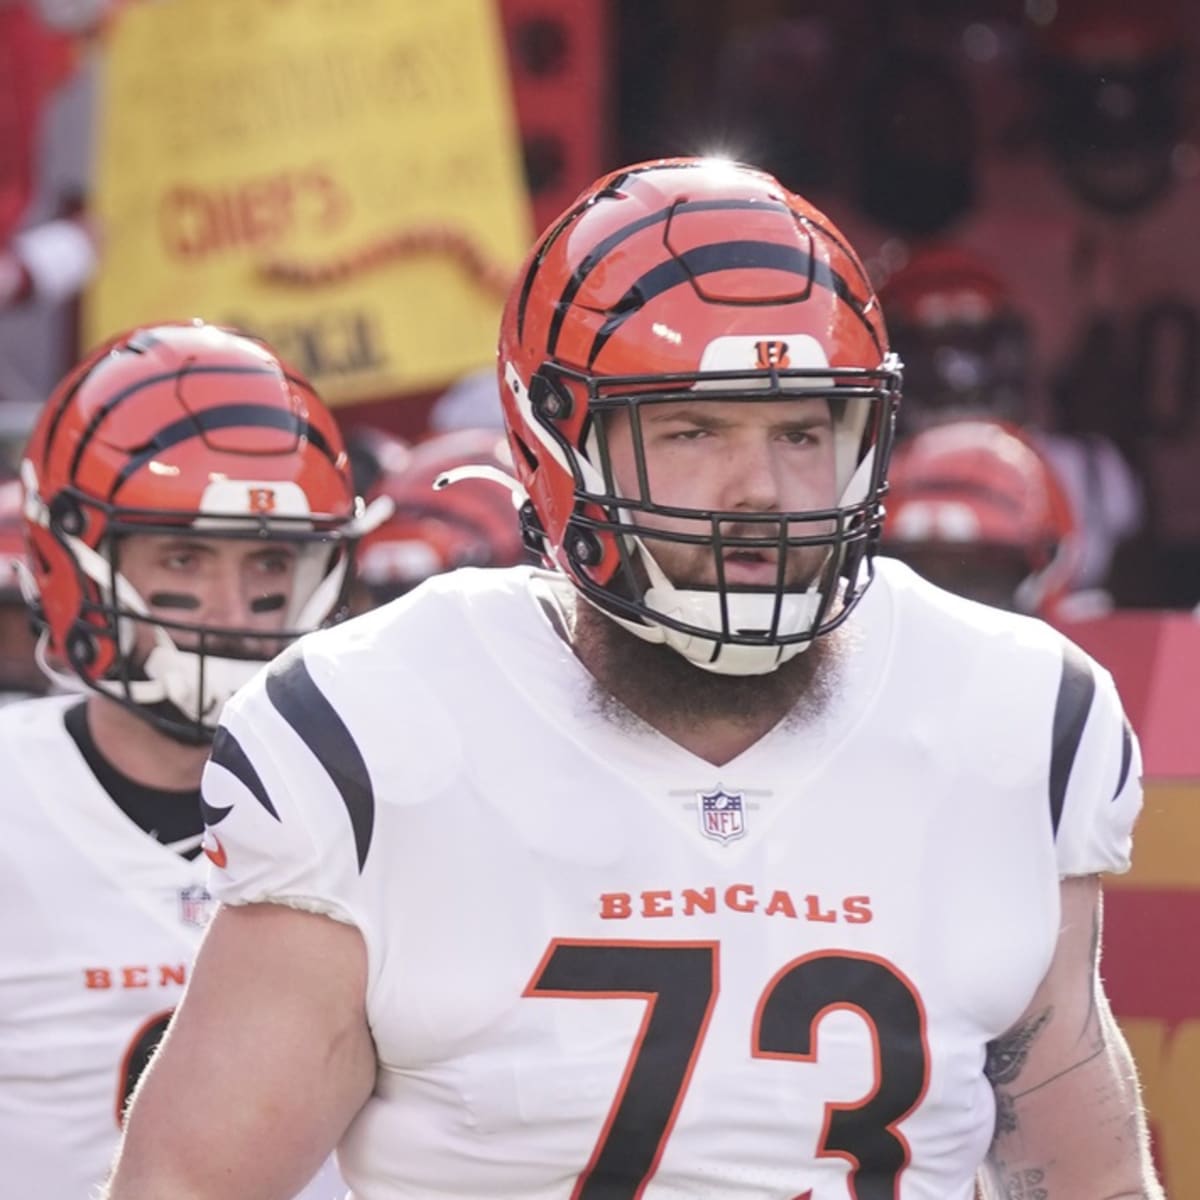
1029 1184
1006 1057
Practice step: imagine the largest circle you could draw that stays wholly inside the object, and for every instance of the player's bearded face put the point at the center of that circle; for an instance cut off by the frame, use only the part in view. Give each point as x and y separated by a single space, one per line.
747 458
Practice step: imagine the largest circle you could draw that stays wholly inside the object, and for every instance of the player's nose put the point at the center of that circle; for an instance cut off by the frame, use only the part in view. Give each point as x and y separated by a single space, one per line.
751 476
226 601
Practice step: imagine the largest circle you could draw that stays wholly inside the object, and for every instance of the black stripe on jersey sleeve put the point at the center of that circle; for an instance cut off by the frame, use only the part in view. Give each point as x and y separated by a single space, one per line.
1126 757
1076 689
227 752
304 707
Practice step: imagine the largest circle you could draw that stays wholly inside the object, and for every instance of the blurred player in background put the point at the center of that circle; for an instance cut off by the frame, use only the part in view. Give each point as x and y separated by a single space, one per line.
190 510
1090 221
723 860
974 507
470 522
968 351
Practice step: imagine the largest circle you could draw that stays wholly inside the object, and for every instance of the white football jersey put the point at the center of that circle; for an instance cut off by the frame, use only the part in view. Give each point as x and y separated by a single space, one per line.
100 925
600 966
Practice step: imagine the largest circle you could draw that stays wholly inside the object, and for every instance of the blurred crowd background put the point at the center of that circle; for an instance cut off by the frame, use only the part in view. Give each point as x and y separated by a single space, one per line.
1021 178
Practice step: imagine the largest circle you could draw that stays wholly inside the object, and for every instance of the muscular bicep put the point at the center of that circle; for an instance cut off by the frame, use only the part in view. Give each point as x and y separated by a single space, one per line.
1069 1122
268 1059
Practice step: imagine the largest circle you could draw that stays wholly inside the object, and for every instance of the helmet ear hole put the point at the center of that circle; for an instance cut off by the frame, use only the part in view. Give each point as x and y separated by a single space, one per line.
548 399
583 547
81 650
66 516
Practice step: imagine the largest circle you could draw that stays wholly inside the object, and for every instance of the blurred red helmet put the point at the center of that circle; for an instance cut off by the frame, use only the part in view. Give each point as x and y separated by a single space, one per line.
172 428
976 508
468 523
964 346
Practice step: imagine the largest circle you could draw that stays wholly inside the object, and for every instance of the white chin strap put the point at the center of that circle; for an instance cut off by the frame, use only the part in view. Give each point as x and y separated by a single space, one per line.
749 612
175 675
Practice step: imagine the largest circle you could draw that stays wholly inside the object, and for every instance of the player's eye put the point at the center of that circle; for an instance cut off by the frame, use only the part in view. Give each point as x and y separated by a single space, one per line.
180 559
273 562
800 437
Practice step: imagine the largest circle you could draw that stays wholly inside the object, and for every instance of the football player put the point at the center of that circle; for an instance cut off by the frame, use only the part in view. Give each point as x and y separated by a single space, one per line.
975 508
723 859
967 349
189 512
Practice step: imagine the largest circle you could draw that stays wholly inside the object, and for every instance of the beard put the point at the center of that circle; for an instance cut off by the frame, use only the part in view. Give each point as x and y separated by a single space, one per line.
637 683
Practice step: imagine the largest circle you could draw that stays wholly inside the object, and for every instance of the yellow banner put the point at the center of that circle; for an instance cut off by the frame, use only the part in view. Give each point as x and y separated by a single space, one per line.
340 176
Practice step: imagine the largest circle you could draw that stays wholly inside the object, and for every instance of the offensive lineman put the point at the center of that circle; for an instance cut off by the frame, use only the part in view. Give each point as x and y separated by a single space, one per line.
722 860
189 510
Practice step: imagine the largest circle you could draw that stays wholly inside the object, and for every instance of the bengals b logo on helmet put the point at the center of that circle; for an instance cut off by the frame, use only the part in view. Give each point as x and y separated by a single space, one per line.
261 499
771 354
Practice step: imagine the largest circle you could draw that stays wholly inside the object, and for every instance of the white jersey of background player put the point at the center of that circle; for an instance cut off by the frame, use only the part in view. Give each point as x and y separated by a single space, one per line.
102 923
630 897
102 880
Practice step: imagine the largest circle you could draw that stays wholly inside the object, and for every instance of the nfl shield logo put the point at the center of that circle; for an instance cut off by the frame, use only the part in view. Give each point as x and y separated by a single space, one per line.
195 906
722 815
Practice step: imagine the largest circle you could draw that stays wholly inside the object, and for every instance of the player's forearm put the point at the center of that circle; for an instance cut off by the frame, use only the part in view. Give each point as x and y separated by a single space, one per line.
1076 1135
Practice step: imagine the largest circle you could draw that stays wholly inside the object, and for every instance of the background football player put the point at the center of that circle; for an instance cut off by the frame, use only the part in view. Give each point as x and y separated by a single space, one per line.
723 860
968 350
189 509
974 507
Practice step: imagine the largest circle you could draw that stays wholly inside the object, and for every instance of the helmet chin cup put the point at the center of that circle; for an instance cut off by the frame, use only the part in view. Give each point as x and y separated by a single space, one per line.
199 686
711 616
748 613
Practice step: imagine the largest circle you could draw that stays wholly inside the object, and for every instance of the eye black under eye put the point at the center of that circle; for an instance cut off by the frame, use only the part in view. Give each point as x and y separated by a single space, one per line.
173 600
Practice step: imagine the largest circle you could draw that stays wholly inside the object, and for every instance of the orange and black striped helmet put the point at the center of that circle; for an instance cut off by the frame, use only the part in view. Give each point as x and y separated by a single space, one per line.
695 279
174 428
977 508
472 523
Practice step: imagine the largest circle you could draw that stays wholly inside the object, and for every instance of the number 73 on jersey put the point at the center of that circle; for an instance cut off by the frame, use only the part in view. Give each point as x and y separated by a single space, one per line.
678 981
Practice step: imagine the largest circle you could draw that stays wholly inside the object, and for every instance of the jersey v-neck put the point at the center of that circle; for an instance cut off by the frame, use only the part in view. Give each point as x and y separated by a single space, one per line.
170 817
540 664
